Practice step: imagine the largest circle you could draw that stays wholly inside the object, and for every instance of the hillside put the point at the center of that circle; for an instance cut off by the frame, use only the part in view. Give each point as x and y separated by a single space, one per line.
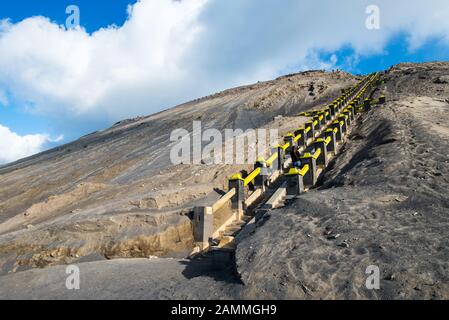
386 195
115 194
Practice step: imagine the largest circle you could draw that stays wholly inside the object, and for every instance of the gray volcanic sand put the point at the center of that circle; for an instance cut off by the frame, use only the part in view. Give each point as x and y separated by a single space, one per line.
125 279
115 193
386 195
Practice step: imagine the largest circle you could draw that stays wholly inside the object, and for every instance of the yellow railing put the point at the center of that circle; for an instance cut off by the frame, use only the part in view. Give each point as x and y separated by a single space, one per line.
285 146
304 170
271 159
317 153
251 176
295 171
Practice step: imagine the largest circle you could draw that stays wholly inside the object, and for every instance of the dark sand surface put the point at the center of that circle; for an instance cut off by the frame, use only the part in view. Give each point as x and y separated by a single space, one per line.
386 195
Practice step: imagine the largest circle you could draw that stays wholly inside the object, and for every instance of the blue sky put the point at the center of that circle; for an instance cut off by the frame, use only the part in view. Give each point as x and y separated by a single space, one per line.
95 14
57 85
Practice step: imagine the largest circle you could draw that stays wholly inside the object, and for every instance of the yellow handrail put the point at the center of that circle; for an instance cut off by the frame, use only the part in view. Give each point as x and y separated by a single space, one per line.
295 171
304 170
285 146
251 176
327 141
271 159
297 137
317 153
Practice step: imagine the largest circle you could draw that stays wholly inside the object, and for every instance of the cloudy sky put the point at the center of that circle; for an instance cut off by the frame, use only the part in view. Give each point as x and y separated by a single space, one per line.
130 58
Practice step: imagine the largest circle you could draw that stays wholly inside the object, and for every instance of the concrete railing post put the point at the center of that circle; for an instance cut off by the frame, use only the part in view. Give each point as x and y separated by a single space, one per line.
261 180
317 126
310 177
367 104
348 118
322 158
320 119
332 146
339 134
278 164
203 225
289 139
328 114
295 182
303 139
332 109
311 133
352 108
344 127
237 182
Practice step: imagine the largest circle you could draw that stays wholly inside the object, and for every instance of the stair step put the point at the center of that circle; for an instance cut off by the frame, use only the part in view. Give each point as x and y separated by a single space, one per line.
239 224
227 242
232 229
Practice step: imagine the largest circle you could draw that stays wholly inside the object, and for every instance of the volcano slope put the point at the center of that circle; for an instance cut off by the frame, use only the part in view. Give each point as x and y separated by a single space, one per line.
385 195
115 193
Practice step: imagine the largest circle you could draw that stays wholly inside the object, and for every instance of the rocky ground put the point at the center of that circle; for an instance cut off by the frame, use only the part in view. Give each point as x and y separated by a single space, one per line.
384 201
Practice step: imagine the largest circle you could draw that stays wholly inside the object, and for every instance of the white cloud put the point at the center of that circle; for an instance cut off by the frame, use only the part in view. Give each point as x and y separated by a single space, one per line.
171 51
14 146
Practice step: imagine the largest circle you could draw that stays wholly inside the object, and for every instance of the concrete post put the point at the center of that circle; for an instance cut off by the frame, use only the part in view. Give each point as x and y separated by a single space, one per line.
339 134
347 113
295 182
311 133
303 140
310 177
237 182
329 115
352 109
318 123
323 119
332 146
332 109
289 139
203 225
261 180
367 104
322 158
279 163
344 127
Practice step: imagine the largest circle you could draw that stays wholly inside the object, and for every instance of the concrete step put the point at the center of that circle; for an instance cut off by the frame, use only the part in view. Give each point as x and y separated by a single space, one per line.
230 233
233 229
227 242
238 224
